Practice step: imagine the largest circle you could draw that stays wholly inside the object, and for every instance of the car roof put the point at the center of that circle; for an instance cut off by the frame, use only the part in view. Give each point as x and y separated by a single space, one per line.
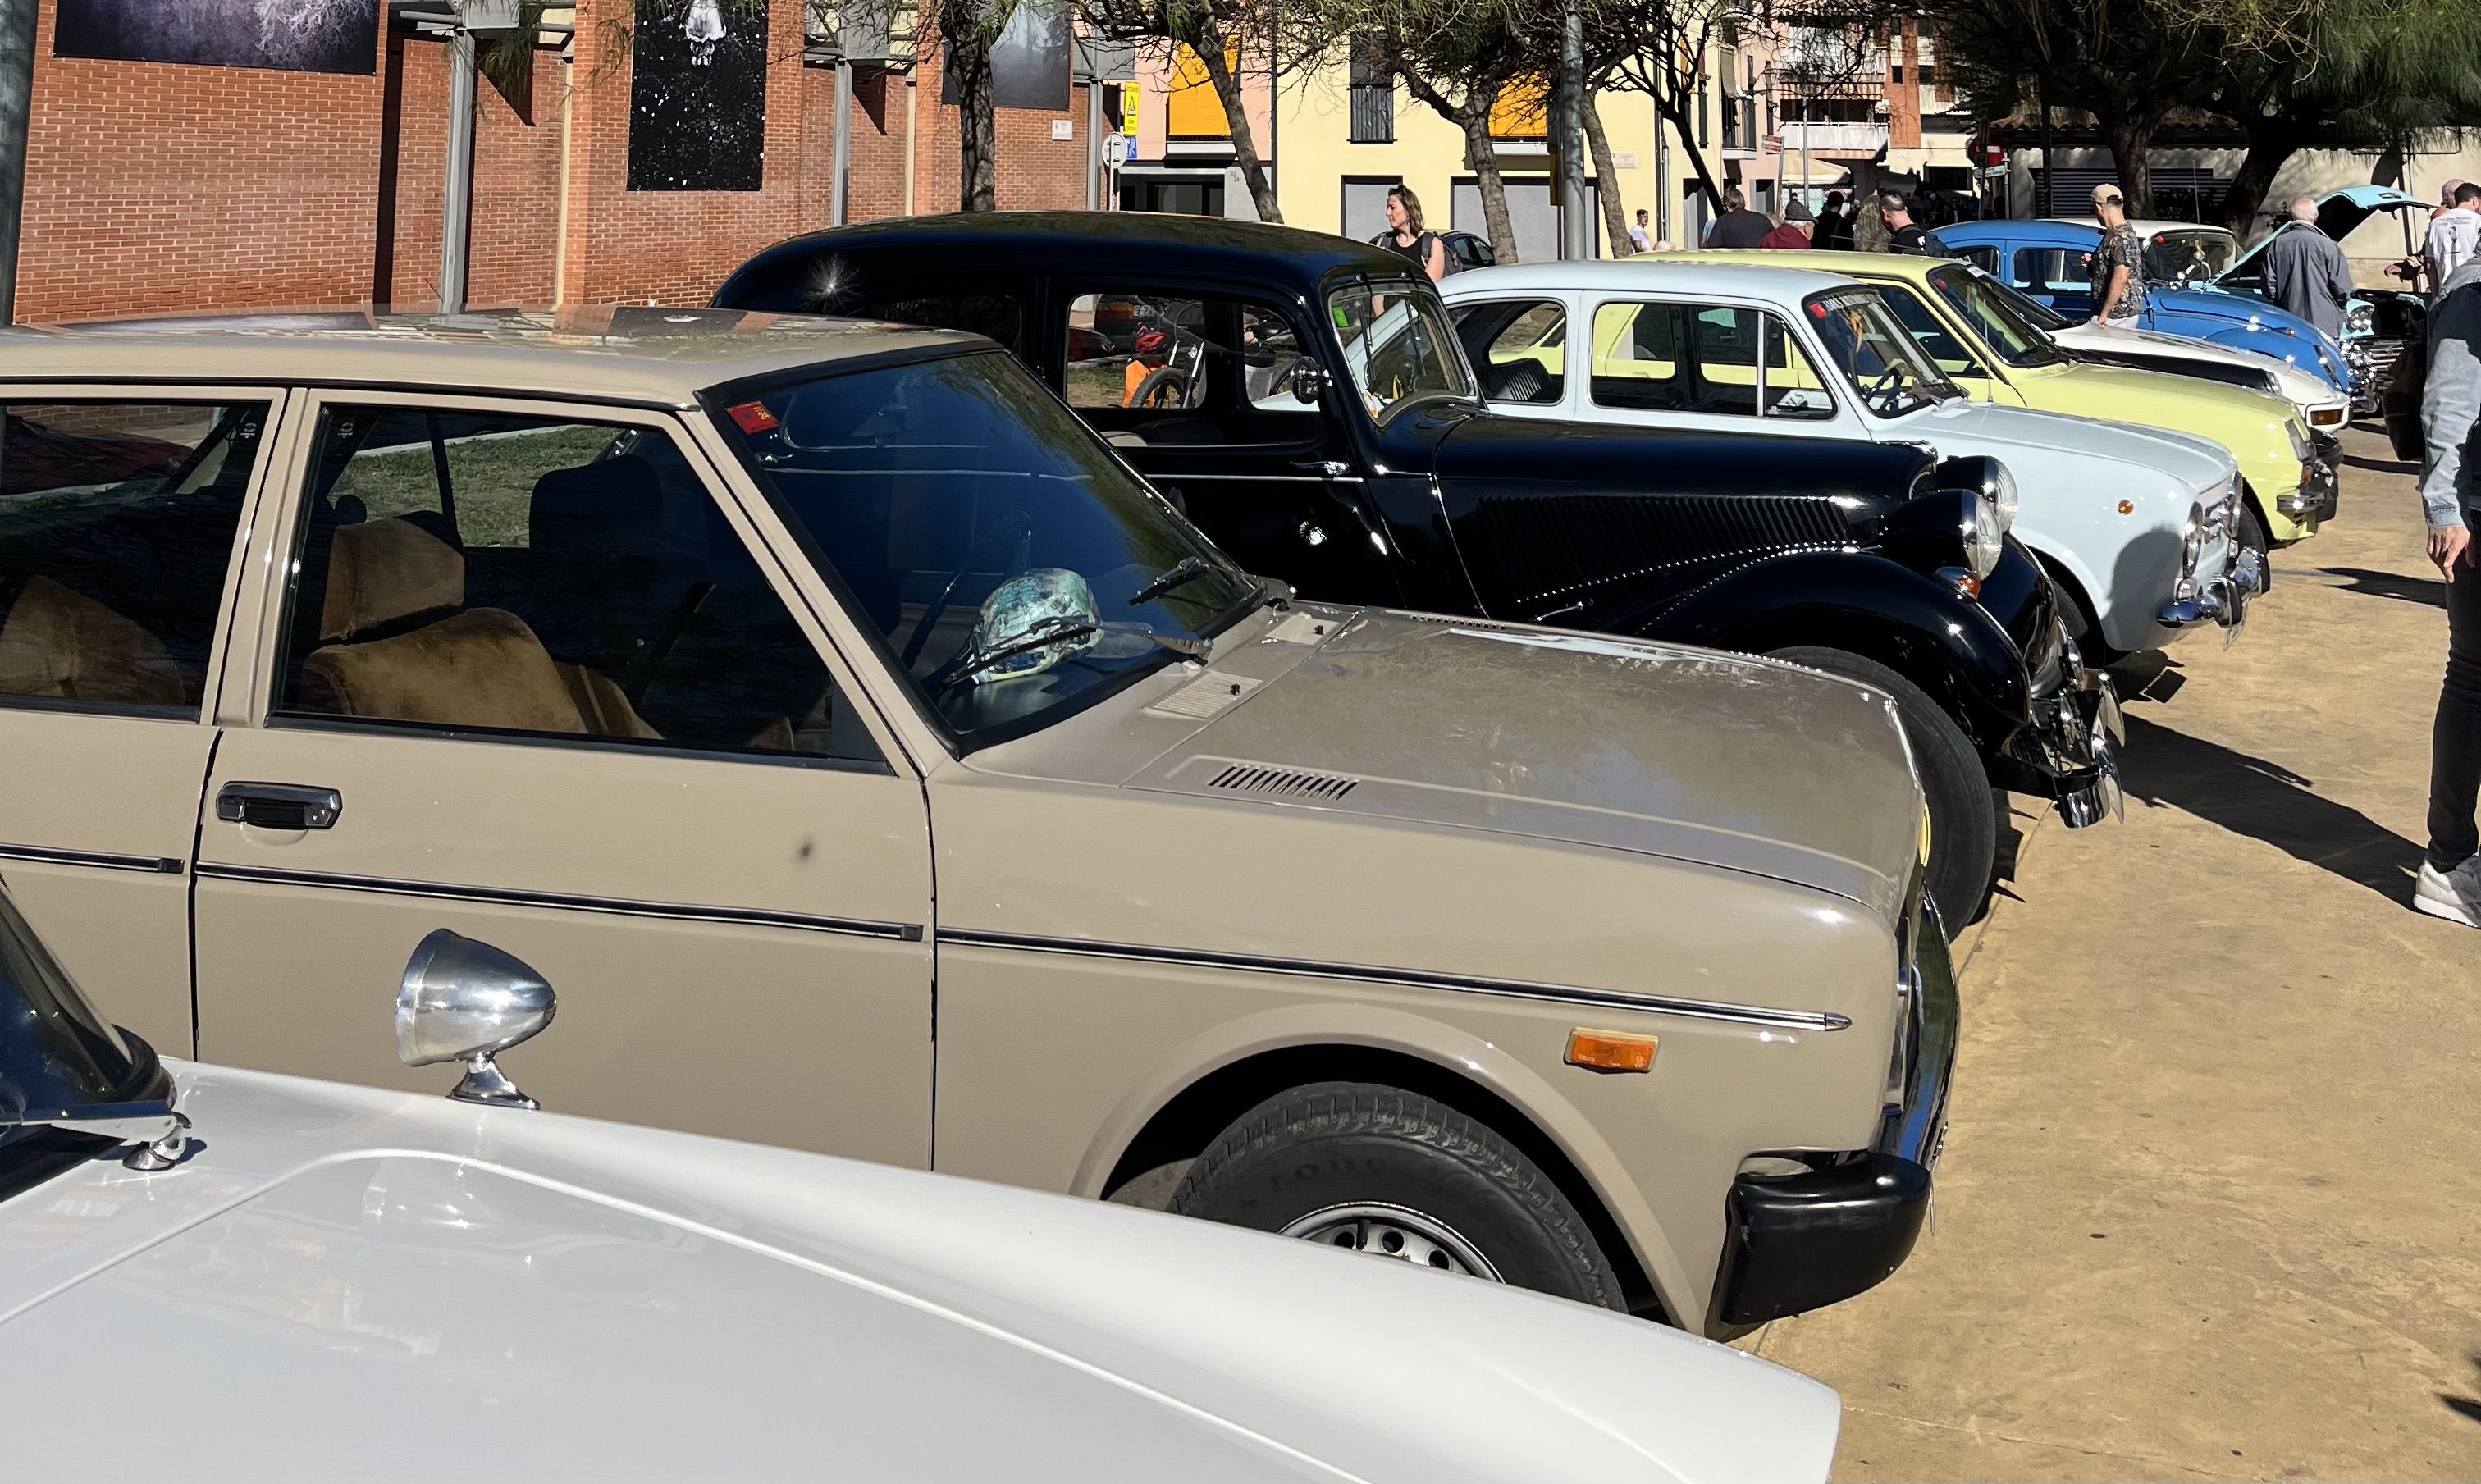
2035 232
1844 265
1690 271
645 354
1052 241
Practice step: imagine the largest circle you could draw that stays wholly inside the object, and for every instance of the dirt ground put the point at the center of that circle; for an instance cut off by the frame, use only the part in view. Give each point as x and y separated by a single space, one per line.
2209 1203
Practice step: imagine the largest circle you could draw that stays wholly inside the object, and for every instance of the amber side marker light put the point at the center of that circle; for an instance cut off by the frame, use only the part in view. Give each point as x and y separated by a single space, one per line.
2128 508
1610 1051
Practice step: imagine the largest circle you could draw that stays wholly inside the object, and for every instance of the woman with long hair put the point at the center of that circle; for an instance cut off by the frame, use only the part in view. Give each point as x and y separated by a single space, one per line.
1407 239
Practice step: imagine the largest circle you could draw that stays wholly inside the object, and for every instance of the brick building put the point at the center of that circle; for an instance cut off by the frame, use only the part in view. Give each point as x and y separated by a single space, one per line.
153 187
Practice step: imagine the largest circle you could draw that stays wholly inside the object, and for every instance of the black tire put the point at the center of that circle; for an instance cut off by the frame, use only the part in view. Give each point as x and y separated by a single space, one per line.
1333 1145
1964 819
2248 532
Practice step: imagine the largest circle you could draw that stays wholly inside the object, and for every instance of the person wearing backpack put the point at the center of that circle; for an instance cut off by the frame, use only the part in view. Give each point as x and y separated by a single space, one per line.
1407 239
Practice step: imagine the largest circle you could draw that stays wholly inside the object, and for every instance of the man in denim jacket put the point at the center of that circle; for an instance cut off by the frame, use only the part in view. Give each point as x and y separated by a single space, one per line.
2449 885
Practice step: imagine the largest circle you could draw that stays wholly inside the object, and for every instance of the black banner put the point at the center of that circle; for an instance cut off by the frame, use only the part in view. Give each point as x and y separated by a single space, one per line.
291 35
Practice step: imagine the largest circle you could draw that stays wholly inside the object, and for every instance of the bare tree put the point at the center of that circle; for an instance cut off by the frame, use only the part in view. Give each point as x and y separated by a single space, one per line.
1455 58
1599 141
1659 47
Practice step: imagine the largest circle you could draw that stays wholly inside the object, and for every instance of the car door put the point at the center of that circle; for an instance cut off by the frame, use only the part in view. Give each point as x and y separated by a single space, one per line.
1196 391
121 514
527 670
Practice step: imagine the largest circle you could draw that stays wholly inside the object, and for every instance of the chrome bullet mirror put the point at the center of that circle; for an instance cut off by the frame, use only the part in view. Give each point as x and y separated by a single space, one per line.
464 1001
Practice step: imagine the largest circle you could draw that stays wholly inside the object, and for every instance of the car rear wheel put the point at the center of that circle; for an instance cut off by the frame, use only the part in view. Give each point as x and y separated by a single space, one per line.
1964 821
1391 1173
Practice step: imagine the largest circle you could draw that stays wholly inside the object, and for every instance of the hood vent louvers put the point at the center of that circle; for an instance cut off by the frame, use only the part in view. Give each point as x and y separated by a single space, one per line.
1282 783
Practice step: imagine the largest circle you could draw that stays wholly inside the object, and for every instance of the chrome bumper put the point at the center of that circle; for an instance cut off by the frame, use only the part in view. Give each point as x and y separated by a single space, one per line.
2093 706
2225 600
2318 494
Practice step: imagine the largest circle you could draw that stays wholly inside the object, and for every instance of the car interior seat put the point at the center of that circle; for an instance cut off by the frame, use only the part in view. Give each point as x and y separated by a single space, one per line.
63 646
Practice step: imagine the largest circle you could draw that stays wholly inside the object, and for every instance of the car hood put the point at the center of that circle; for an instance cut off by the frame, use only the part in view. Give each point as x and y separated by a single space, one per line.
2225 304
2339 214
2155 398
1689 754
2033 442
342 1280
1570 457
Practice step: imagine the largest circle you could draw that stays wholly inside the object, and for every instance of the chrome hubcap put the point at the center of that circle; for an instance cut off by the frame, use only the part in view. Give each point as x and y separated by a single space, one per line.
1394 1233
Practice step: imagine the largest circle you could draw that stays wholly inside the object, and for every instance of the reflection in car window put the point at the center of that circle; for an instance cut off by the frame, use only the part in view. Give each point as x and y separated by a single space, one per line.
2054 271
1517 346
1994 320
995 315
499 573
1398 346
1885 365
1153 370
117 524
2182 258
1014 569
2033 309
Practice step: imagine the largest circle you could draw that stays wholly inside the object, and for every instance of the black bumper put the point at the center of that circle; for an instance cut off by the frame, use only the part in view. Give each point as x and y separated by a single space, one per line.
1794 1243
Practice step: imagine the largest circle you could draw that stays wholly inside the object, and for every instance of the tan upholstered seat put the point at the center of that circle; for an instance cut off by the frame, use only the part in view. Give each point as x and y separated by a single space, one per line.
477 667
59 644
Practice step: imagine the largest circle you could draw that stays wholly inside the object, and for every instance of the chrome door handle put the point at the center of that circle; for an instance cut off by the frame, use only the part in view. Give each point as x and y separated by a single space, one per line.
279 805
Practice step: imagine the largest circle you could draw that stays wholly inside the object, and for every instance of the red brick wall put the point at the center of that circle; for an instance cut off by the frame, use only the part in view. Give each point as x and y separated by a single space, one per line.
154 188
151 186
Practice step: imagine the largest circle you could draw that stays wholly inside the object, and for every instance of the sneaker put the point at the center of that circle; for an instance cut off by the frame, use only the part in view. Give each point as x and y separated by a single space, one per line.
2453 895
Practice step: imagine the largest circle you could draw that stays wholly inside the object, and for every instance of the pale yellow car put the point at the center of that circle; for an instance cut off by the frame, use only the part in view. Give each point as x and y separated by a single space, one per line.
1966 323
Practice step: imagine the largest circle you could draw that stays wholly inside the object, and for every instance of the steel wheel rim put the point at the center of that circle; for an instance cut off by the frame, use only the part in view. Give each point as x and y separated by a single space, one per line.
1396 1234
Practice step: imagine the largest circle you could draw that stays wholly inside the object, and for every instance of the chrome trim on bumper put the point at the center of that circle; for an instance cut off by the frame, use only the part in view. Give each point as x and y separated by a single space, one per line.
2225 599
2096 703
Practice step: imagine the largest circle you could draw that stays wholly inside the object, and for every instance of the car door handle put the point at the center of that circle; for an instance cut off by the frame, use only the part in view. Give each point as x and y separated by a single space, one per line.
279 805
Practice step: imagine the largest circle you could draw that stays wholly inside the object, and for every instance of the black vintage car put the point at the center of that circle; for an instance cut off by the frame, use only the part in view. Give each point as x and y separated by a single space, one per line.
1308 405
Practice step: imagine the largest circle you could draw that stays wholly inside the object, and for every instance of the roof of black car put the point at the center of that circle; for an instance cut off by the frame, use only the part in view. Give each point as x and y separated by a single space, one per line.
1049 241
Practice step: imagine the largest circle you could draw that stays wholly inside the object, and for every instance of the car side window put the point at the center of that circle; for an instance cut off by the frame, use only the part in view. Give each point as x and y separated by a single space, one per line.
1152 370
2051 271
1669 357
1930 333
117 527
1986 257
1794 387
1518 346
498 573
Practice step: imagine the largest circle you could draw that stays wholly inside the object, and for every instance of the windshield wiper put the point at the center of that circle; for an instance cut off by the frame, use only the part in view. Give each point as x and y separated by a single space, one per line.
1188 569
1060 634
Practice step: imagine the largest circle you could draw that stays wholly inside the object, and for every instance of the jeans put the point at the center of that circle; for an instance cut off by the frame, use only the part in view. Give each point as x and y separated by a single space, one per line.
2455 739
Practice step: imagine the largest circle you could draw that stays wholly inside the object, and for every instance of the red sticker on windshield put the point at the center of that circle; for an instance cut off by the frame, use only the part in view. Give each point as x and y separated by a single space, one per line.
753 417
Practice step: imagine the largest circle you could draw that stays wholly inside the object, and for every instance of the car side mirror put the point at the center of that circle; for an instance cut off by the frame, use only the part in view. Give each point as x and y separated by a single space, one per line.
1309 382
466 1000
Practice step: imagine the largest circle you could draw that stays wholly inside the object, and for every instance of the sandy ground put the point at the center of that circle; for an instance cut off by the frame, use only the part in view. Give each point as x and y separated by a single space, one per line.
2209 1203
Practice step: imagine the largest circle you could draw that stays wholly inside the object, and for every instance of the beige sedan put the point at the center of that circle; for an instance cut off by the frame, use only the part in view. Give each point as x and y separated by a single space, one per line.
881 767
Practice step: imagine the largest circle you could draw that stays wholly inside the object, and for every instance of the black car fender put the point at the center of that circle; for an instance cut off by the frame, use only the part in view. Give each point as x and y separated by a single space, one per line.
1917 625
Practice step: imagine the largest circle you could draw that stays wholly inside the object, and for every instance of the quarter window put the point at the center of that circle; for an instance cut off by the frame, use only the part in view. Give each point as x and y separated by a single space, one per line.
117 525
482 572
1518 346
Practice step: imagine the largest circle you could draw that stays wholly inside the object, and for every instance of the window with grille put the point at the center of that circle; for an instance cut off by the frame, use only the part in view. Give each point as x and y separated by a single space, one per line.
1373 93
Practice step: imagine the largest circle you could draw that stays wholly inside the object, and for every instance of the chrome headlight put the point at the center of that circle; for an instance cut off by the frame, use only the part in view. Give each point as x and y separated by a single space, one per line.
2300 448
2000 487
2361 319
2192 540
1985 535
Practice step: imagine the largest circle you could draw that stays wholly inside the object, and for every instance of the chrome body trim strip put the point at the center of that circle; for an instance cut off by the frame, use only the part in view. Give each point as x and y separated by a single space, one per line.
101 860
504 896
1408 978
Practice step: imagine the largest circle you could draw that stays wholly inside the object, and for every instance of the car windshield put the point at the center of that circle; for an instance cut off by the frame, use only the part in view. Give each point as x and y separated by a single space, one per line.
55 1051
1883 364
1015 569
2182 258
1396 341
2033 309
1993 319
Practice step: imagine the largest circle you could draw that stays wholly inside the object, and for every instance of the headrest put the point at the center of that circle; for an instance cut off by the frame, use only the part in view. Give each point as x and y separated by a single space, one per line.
385 570
609 503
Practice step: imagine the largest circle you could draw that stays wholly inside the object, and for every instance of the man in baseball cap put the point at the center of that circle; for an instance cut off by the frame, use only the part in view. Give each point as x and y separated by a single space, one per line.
2118 266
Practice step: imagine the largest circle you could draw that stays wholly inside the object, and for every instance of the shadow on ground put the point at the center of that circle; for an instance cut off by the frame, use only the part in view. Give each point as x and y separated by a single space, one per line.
2464 1406
2267 801
2380 466
2391 584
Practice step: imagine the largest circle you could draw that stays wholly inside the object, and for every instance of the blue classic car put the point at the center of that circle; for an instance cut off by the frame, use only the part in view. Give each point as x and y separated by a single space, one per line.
2046 261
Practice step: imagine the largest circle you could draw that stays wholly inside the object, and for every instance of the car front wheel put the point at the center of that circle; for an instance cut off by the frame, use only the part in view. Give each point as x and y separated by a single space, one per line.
1379 1170
1964 817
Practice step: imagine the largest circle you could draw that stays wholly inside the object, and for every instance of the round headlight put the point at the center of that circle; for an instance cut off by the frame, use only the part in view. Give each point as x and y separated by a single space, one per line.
2360 320
1985 536
2192 540
2000 487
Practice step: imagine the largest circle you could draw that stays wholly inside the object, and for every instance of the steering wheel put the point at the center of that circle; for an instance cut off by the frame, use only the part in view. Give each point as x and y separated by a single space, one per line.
1015 523
1885 382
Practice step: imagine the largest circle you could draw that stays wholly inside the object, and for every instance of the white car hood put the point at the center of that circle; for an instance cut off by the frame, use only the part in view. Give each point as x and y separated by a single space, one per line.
347 1282
2019 436
2292 384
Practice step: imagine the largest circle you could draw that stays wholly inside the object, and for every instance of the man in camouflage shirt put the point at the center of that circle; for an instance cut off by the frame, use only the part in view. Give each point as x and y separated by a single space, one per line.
2118 264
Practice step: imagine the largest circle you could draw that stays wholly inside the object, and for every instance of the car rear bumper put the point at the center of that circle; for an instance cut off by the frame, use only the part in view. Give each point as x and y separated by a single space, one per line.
1794 1243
